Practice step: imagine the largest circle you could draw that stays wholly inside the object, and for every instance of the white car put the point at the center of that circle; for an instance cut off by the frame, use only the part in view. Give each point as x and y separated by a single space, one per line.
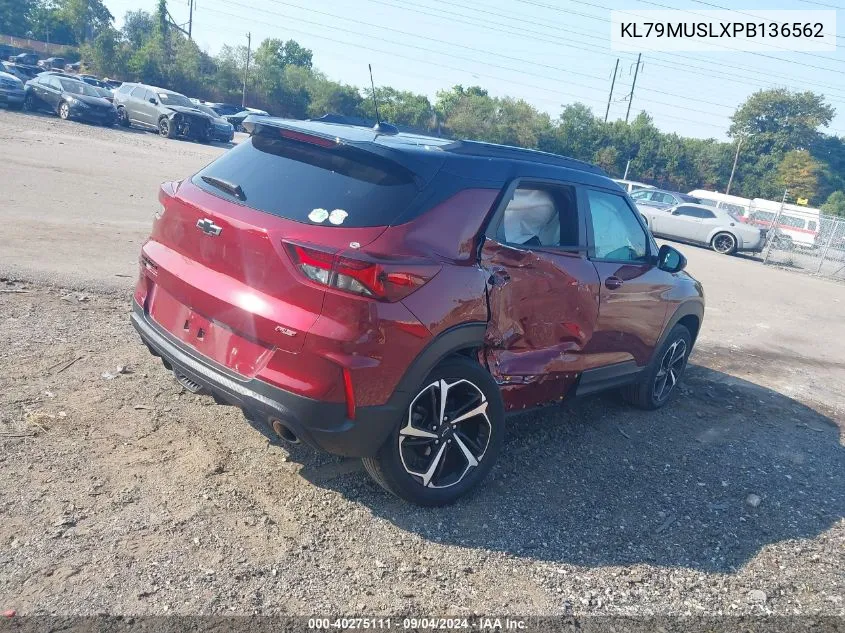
701 224
631 186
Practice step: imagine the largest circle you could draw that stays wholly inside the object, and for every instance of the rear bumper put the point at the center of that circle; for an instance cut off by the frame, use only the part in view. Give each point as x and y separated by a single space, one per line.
322 425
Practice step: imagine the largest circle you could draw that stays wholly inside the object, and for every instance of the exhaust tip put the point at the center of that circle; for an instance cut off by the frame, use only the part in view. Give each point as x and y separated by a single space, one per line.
284 432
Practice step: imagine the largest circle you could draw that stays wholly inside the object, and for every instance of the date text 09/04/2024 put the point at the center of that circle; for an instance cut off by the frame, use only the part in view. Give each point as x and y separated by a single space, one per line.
477 624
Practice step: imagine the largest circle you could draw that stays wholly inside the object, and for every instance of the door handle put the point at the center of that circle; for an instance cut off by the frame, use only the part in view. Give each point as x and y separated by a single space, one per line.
612 283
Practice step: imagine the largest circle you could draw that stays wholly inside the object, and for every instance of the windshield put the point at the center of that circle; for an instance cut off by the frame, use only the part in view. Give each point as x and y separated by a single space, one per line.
174 99
78 88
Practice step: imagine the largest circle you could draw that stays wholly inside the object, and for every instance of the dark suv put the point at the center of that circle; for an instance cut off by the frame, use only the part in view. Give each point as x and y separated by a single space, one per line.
169 113
393 297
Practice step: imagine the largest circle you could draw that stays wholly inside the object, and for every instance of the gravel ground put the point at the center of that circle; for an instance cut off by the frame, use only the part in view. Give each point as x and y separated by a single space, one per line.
124 494
129 495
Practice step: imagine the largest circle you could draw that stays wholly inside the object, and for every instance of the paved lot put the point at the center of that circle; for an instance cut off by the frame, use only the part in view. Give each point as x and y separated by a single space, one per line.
128 495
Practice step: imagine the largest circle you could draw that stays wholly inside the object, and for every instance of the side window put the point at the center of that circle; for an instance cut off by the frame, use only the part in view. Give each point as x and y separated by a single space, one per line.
540 215
125 88
707 215
137 92
811 225
694 212
149 94
642 194
616 233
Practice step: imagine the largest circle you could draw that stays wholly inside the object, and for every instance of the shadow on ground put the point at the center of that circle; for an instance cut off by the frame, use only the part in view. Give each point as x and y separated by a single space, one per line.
596 483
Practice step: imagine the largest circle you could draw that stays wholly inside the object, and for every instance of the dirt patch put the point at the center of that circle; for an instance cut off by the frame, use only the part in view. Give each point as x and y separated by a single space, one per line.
129 495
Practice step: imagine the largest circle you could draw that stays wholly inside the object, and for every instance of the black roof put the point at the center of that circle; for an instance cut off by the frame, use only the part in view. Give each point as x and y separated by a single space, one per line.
409 141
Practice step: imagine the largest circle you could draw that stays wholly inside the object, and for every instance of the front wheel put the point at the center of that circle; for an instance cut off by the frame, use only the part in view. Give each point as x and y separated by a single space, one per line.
448 439
64 111
166 128
123 117
664 373
29 102
724 243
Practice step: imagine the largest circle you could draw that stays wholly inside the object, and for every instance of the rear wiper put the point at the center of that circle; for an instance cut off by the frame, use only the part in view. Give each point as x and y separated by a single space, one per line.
224 185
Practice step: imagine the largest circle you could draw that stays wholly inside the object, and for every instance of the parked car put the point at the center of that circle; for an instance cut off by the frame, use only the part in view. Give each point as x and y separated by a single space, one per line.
91 80
69 98
25 59
371 297
662 198
11 91
222 130
631 185
224 109
237 120
169 113
24 73
52 63
702 224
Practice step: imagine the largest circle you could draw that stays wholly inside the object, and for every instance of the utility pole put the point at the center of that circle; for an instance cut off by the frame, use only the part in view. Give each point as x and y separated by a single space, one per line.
733 169
190 17
610 96
246 68
633 85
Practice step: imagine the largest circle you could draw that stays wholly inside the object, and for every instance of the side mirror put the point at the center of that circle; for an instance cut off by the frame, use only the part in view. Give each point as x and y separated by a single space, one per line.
675 212
153 101
670 259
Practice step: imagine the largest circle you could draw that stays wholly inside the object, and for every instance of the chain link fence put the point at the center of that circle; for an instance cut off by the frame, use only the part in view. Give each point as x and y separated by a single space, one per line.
818 253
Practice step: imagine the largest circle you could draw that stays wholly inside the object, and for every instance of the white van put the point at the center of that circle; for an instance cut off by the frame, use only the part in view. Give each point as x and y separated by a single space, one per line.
739 207
631 185
799 223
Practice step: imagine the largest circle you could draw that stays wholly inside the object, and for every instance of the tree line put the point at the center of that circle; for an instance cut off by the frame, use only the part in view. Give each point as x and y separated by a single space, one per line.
777 131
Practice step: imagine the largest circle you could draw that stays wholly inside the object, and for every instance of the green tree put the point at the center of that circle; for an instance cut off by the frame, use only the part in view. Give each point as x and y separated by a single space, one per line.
781 120
399 107
106 55
330 97
799 172
835 204
86 18
138 27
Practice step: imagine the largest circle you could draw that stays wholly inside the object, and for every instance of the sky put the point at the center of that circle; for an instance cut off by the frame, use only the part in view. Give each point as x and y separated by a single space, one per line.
548 52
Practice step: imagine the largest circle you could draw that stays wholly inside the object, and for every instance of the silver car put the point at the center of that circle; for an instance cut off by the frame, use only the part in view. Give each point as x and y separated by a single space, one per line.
700 224
662 198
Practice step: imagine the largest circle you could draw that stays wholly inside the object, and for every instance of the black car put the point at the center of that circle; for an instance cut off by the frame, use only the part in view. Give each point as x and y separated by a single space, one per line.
237 120
224 109
69 98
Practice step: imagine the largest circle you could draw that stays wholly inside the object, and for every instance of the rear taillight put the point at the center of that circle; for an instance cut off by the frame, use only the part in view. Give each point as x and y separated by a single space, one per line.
386 281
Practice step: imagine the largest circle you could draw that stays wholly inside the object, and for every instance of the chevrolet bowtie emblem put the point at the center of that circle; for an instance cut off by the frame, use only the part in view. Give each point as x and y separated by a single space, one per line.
208 227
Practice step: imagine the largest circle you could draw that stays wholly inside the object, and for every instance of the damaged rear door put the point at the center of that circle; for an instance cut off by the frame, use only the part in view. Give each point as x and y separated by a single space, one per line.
543 293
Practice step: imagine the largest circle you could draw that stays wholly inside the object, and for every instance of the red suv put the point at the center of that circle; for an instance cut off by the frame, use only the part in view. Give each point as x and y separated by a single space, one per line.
394 297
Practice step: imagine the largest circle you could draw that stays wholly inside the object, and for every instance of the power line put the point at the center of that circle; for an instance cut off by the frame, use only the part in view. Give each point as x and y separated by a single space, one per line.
476 50
394 53
567 42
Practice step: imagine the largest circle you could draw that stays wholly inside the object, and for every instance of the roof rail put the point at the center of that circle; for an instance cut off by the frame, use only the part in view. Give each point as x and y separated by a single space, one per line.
493 150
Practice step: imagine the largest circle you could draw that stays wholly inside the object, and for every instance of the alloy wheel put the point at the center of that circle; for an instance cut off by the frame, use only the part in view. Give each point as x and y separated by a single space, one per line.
671 368
64 111
447 433
723 243
164 127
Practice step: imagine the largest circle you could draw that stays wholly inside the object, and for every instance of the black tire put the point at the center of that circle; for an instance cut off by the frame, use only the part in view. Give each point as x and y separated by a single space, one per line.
165 128
443 455
123 117
63 110
724 243
644 394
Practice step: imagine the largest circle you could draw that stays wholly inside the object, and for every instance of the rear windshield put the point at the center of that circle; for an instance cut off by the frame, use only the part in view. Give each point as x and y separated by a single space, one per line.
341 186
